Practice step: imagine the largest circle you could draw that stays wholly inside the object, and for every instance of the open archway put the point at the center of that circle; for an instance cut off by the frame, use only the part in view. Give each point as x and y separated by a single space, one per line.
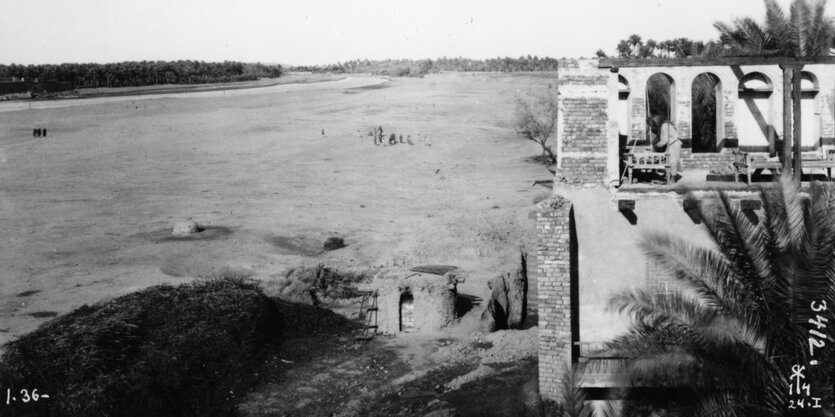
661 93
707 126
407 312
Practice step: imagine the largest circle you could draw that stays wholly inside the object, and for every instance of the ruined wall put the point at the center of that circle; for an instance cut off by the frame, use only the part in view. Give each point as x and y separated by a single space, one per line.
587 252
582 127
554 289
589 150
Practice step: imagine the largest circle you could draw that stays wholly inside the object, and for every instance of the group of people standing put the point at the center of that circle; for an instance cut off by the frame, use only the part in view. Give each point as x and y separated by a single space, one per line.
393 139
39 132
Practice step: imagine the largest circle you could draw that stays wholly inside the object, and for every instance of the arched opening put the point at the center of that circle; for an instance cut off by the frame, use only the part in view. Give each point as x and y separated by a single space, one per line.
624 111
810 117
706 104
407 312
623 108
661 93
754 113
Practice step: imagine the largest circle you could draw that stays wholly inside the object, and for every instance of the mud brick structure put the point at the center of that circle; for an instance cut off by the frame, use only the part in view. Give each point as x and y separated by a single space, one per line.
410 301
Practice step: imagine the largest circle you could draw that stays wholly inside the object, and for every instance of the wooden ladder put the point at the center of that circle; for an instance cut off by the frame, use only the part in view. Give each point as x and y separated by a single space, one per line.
368 311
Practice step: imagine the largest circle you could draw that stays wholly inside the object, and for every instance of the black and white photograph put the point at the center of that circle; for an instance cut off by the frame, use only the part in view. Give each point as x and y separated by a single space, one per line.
288 208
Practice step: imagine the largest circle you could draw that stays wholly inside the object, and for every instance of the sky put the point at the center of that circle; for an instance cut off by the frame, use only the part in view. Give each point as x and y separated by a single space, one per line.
298 32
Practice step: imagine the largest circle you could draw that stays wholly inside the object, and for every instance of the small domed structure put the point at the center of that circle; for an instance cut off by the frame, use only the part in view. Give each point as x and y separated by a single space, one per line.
410 301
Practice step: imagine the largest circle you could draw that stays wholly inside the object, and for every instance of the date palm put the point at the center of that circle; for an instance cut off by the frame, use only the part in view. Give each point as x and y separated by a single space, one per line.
806 31
738 316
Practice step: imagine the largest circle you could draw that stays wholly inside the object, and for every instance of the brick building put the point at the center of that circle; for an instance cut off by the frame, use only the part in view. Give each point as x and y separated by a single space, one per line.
589 236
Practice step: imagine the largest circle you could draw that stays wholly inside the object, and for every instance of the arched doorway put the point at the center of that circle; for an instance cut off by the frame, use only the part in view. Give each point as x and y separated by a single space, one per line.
407 312
707 127
810 118
754 113
661 93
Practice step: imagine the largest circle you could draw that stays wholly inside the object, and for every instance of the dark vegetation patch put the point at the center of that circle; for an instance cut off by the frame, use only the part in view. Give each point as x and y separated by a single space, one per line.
357 90
295 245
302 320
539 160
165 351
28 293
42 314
313 285
334 243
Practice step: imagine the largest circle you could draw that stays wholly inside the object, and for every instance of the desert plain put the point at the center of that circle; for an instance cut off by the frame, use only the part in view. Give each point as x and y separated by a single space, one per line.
270 173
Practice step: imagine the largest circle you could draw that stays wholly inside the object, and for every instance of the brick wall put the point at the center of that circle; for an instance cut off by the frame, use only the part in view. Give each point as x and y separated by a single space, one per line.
556 351
582 128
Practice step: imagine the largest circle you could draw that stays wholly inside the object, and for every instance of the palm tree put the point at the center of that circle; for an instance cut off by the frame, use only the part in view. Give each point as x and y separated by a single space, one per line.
804 32
742 313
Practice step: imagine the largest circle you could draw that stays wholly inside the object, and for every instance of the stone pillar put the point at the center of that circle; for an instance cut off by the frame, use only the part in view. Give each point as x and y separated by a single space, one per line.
558 327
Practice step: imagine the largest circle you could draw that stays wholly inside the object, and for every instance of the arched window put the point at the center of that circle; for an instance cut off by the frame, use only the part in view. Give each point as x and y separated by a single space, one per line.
708 127
661 93
754 113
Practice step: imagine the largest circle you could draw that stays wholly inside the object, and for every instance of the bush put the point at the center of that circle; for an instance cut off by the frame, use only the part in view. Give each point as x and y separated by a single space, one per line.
163 351
334 243
536 119
311 284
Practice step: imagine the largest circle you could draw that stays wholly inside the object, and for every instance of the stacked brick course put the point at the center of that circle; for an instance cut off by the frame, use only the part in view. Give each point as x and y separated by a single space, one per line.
554 287
584 116
708 160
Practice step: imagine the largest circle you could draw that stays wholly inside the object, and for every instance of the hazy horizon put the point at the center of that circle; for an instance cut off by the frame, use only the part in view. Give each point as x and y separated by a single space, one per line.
297 33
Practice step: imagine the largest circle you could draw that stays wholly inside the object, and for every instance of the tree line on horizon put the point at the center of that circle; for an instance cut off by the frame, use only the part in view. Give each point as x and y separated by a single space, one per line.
421 67
141 73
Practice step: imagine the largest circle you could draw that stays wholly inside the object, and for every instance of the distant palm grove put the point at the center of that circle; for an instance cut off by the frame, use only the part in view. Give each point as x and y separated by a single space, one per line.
134 74
417 68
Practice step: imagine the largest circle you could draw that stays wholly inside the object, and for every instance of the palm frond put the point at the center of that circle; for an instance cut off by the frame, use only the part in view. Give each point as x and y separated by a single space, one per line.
799 15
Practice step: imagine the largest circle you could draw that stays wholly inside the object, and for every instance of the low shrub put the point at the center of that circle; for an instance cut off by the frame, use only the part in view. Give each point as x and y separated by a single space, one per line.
334 243
310 285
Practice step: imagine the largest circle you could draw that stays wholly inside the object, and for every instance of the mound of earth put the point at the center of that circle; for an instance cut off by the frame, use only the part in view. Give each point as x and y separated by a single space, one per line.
162 351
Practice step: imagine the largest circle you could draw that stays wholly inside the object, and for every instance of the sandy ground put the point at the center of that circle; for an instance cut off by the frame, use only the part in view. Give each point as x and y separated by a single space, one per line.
86 213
